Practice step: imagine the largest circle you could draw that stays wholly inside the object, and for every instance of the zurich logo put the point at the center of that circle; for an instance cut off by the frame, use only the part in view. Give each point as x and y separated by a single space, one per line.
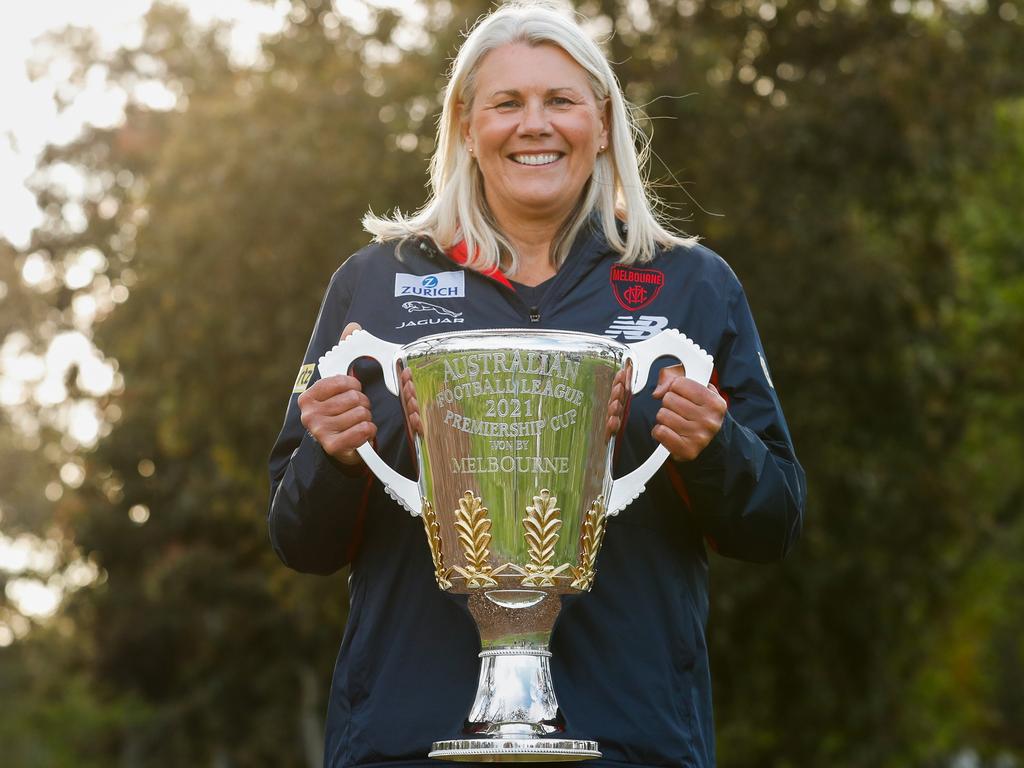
443 285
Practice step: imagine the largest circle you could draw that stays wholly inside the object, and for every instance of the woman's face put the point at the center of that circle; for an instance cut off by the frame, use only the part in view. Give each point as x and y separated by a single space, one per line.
535 129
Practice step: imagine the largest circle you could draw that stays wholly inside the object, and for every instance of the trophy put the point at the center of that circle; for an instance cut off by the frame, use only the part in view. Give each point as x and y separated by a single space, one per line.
514 442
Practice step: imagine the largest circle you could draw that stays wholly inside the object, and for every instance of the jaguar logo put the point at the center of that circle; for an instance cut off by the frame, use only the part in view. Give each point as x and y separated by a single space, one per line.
425 306
436 315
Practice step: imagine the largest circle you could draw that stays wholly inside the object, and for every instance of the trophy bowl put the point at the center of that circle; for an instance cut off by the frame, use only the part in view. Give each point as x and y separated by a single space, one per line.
513 437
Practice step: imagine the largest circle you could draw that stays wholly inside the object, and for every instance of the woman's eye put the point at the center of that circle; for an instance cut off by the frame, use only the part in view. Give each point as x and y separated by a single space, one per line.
561 101
510 104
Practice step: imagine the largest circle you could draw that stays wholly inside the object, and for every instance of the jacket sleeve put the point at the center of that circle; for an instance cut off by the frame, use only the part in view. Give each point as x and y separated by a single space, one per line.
747 487
316 503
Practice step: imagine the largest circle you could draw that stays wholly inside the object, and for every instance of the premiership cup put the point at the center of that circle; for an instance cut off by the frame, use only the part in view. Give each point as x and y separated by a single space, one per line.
514 449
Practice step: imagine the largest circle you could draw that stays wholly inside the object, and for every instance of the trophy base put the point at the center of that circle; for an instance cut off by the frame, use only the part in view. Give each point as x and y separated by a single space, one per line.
514 750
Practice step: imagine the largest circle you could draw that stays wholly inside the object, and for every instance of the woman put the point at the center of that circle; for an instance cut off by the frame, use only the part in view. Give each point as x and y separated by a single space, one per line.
538 219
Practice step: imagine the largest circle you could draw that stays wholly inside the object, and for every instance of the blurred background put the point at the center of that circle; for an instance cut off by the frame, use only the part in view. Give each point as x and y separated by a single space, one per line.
179 180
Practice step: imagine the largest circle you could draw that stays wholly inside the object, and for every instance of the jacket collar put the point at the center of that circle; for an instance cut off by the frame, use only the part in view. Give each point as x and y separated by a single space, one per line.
589 248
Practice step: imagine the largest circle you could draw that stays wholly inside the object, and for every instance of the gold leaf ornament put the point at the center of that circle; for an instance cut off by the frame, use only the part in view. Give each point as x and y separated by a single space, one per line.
591 537
473 527
542 524
433 530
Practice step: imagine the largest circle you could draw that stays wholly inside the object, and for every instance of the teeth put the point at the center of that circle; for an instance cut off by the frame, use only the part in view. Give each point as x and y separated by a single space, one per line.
536 159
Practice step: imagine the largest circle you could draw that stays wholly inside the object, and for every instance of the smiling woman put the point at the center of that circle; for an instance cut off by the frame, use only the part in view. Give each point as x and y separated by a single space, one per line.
535 128
522 57
537 202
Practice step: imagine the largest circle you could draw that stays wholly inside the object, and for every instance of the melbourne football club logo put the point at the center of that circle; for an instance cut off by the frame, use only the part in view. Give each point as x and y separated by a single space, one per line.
636 329
636 287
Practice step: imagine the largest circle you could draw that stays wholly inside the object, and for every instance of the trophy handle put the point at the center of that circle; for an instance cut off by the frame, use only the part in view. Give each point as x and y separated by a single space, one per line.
336 362
697 365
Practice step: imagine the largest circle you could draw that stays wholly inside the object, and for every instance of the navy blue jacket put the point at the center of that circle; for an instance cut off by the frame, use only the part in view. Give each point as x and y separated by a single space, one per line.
630 661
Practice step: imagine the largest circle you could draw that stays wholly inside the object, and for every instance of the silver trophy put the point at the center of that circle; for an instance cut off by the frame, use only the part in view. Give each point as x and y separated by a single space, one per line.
514 448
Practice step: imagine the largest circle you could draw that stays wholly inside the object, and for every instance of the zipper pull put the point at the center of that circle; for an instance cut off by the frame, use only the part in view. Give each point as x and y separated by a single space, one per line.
534 315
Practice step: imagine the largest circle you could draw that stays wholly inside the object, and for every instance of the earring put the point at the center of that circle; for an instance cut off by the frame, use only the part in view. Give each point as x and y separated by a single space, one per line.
602 149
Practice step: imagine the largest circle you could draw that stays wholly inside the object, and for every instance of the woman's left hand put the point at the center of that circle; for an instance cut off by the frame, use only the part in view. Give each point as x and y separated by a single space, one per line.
690 414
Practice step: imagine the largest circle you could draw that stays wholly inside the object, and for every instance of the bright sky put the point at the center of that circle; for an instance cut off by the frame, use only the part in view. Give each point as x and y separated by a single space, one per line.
29 121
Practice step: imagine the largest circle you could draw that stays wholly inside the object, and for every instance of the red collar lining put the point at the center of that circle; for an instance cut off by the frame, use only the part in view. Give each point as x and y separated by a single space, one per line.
459 254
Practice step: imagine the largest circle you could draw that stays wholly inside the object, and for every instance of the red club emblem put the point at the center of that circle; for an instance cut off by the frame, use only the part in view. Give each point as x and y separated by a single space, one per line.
636 287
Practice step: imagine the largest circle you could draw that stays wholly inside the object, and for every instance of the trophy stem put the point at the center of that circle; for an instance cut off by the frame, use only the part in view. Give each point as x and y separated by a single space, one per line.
515 697
514 710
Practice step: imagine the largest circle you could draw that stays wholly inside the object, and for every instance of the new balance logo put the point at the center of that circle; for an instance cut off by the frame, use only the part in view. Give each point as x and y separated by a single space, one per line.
643 327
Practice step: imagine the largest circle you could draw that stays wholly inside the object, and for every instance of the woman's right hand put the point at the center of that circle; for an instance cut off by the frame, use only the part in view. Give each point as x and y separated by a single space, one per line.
337 413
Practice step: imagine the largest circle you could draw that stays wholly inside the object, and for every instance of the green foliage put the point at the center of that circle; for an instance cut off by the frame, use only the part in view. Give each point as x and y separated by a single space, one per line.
859 167
979 636
59 719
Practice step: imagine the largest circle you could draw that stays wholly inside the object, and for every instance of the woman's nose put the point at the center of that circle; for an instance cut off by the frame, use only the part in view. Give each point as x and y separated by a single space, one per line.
535 118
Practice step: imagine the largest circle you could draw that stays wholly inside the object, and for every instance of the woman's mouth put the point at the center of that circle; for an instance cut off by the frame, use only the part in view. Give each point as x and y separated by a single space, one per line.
534 158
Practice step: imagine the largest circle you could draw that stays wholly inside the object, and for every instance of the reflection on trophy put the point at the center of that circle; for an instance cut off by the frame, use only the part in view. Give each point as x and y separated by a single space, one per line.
514 435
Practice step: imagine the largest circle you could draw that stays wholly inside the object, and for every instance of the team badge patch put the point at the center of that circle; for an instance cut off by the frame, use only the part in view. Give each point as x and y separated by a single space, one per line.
636 287
302 380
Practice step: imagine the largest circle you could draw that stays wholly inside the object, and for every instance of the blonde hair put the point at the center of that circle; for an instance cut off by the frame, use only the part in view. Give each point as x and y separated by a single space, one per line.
617 190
